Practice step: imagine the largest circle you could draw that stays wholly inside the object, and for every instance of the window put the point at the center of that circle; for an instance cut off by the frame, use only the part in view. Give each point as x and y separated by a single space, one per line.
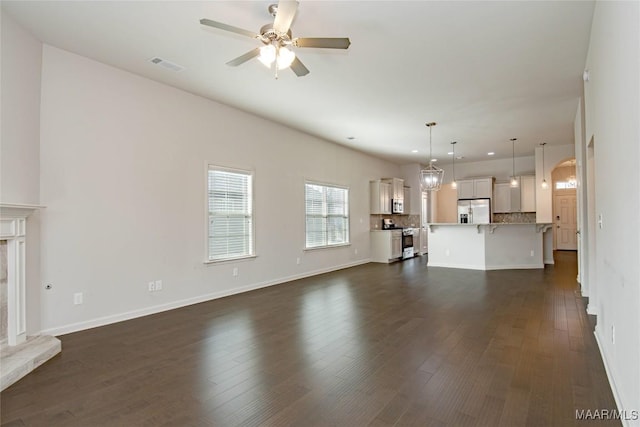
230 200
327 215
566 185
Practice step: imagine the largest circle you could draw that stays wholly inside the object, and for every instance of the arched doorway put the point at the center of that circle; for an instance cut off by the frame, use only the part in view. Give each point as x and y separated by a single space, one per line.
564 184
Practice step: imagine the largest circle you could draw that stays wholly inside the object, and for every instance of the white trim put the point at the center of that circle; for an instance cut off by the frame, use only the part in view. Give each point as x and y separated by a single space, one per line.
591 309
106 320
515 267
227 260
549 261
315 248
462 266
252 173
612 383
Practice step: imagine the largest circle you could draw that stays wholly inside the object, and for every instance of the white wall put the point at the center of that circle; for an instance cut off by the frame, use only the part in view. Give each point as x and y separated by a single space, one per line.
123 176
612 108
20 143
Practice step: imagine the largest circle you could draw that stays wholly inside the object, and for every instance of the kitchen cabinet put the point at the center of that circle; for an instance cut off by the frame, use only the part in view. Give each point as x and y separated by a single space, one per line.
380 197
397 187
386 245
407 200
481 188
528 193
502 198
507 199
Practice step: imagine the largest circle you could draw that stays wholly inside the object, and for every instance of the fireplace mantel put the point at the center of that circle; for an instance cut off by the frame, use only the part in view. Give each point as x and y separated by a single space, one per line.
17 210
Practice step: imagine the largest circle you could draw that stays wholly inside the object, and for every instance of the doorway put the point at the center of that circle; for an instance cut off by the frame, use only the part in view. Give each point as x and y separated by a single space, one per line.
564 206
565 216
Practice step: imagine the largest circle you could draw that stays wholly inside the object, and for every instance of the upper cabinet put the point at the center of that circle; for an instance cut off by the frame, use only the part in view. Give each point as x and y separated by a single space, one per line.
407 200
481 188
397 187
519 199
380 201
528 193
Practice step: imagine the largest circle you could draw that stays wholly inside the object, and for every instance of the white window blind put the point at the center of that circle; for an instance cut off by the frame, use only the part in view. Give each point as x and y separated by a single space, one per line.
230 214
327 215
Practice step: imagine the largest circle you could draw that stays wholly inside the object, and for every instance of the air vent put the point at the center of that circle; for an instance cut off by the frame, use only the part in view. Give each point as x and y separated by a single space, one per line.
167 64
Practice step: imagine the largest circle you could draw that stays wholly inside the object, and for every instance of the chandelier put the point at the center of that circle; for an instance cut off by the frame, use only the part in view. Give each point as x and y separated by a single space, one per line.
431 176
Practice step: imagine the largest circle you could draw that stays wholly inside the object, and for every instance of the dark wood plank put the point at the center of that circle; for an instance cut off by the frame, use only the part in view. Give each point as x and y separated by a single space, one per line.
376 345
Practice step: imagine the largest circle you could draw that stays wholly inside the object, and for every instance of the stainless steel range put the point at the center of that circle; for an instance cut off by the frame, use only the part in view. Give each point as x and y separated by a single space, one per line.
407 243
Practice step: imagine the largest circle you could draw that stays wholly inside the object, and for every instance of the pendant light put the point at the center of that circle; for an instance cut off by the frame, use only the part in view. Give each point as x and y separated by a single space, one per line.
454 184
544 184
514 178
431 176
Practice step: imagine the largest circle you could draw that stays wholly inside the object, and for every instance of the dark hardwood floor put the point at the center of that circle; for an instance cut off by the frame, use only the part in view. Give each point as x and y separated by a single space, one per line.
378 345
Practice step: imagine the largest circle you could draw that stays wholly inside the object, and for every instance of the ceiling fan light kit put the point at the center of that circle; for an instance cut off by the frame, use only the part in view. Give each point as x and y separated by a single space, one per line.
277 40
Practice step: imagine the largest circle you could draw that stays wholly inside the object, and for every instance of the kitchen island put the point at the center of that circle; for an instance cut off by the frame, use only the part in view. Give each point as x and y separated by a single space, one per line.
495 246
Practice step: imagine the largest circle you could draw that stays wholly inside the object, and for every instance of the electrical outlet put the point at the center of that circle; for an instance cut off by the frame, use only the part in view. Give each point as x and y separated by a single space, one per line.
235 271
600 221
158 285
355 251
446 252
152 286
77 298
532 253
298 260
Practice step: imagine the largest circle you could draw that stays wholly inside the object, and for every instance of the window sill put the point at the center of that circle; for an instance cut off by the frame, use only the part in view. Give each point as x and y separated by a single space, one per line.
227 260
342 245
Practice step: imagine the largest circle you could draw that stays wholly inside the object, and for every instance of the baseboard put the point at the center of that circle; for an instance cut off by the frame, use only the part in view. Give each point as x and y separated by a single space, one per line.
488 267
591 310
549 261
515 267
612 383
463 266
107 320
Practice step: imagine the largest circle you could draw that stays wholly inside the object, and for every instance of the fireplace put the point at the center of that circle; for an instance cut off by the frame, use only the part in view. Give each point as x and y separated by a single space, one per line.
13 233
19 354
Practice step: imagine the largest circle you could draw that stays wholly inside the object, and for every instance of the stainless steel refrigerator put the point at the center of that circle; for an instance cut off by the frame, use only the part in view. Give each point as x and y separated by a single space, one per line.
474 211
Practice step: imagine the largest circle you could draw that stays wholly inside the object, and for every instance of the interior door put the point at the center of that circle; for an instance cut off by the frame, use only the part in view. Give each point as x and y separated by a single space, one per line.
566 222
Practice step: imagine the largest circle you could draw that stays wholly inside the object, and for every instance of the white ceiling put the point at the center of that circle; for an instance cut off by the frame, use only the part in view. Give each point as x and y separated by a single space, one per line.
485 71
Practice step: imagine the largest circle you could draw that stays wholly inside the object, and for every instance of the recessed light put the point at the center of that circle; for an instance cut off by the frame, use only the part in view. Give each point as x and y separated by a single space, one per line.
459 157
351 138
450 153
434 160
490 153
414 151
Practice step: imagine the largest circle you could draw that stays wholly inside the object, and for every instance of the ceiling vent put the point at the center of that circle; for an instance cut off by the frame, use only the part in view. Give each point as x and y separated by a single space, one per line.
167 64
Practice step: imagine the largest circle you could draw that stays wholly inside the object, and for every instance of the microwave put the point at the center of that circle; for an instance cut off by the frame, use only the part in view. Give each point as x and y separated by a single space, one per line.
397 206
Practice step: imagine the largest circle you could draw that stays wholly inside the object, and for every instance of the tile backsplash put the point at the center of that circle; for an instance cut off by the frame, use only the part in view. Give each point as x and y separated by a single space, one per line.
375 221
515 218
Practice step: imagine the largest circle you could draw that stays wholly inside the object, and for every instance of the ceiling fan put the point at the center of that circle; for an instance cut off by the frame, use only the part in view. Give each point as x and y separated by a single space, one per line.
277 40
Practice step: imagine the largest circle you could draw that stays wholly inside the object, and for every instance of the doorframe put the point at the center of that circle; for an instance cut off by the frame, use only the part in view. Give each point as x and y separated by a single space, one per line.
556 195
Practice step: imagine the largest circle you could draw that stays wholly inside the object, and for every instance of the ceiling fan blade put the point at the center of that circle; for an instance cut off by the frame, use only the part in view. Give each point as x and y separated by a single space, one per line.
298 67
220 25
327 43
285 14
244 58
